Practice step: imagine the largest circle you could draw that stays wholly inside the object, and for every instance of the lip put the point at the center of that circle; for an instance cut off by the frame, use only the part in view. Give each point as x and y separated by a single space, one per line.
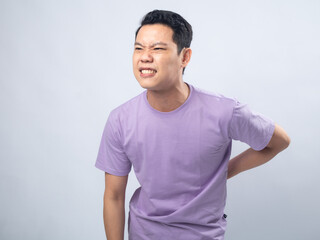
147 68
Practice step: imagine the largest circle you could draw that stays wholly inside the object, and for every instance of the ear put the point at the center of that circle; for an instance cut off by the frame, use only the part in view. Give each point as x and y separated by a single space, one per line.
186 56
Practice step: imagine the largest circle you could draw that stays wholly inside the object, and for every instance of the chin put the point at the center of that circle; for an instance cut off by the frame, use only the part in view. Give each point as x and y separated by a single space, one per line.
147 84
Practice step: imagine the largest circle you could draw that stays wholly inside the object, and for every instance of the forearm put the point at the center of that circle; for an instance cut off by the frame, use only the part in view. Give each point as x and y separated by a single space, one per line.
249 159
114 218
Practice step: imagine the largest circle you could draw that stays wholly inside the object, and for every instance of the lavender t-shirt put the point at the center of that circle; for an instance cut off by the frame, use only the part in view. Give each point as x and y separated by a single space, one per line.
180 159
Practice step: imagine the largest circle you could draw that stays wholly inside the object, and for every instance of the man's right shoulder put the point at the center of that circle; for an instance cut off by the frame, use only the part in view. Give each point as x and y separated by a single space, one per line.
129 107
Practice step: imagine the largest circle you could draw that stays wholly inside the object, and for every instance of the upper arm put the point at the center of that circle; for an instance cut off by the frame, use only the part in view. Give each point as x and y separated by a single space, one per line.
280 139
115 186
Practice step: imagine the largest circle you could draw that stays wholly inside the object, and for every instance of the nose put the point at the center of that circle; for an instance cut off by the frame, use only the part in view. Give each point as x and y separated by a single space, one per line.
146 57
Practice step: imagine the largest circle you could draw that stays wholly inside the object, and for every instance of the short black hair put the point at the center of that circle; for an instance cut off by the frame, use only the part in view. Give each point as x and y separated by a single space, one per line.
182 30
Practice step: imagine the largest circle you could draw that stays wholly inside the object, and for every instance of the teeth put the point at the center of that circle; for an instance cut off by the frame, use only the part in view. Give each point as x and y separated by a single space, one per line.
145 71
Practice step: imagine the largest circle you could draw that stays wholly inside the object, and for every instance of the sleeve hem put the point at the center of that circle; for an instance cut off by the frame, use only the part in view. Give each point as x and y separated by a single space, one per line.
230 122
270 134
111 171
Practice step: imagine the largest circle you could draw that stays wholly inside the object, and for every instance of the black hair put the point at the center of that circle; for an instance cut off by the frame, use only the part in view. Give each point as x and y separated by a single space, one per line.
182 30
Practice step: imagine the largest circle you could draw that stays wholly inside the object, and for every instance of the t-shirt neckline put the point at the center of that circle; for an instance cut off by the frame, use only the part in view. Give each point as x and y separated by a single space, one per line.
173 111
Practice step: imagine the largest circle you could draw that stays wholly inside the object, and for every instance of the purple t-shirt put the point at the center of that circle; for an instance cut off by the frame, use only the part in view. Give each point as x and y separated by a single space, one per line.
180 159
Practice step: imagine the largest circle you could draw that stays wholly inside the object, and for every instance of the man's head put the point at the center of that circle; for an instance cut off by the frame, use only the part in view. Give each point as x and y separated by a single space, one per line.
182 30
161 49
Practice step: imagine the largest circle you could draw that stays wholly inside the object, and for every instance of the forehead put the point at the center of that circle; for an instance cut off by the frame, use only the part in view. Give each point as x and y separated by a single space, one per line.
149 34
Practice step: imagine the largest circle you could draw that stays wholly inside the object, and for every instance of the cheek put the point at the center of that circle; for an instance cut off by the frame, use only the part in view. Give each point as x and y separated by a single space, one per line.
135 64
134 59
174 64
169 62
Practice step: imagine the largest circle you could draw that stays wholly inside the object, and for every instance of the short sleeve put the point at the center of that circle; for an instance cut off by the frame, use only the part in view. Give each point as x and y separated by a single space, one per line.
111 156
250 127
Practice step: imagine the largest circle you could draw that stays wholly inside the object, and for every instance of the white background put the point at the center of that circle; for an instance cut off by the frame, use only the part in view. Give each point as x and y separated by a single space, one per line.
64 65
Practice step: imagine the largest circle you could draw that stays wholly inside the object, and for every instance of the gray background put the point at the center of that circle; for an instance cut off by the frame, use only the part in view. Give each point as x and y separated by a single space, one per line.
64 65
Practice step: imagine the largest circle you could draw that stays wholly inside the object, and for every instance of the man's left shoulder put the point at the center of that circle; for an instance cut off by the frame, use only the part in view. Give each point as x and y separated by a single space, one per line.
215 99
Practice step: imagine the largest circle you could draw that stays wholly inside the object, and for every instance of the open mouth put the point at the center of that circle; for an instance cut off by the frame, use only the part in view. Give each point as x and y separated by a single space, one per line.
148 71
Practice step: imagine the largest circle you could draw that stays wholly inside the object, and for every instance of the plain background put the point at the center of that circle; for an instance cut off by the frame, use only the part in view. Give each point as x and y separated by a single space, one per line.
64 65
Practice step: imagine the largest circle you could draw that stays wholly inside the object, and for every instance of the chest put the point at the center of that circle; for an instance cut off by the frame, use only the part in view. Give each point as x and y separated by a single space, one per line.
189 139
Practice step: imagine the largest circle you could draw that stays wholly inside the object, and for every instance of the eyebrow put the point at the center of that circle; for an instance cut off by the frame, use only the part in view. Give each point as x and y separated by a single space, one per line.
154 44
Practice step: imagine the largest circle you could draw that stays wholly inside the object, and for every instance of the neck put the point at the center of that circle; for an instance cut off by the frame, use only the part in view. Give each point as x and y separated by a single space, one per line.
170 99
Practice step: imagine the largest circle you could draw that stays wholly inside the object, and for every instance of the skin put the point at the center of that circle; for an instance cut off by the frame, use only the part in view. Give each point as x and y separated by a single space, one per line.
155 49
114 206
166 91
251 158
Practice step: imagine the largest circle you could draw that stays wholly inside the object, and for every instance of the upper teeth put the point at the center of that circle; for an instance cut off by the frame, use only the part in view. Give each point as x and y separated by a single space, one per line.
147 71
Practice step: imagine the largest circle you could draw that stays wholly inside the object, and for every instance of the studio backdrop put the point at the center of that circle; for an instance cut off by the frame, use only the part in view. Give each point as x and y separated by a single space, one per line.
64 65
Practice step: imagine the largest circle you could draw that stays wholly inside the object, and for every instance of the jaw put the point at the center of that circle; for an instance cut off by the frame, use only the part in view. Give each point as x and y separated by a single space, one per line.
148 82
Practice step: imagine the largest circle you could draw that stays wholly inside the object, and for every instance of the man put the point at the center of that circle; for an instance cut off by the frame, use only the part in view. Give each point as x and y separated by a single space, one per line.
178 140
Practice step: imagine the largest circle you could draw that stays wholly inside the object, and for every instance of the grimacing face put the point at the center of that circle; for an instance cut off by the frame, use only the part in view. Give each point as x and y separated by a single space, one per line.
157 65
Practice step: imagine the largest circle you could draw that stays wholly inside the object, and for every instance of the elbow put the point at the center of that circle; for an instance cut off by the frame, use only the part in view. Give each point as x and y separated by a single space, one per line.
280 139
288 141
285 142
116 197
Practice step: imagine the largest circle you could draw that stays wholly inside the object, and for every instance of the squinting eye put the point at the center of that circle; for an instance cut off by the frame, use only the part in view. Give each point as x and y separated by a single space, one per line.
159 49
137 48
